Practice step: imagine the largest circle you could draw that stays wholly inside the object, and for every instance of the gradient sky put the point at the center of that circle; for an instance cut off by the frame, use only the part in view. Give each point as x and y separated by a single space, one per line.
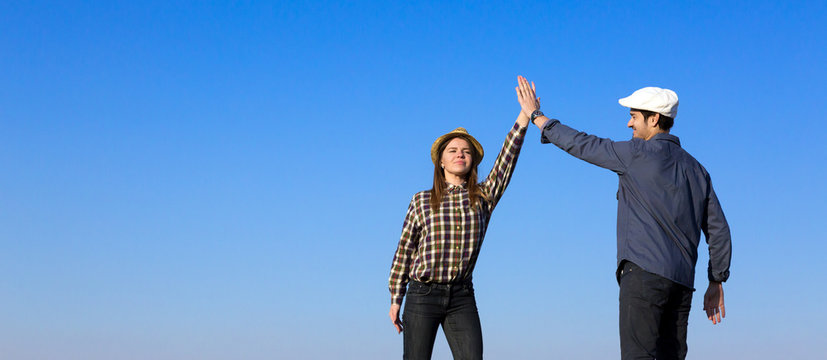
228 180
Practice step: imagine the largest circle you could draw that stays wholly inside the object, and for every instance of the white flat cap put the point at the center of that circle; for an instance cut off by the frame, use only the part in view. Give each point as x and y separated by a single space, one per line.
661 101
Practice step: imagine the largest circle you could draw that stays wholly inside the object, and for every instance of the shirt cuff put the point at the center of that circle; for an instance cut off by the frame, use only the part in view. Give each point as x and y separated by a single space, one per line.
547 127
397 300
717 277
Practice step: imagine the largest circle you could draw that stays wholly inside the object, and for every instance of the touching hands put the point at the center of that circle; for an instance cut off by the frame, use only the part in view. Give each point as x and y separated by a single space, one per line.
527 96
394 314
714 302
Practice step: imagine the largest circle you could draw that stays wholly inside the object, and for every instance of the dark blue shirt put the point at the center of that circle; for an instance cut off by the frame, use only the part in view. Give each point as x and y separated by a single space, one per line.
664 200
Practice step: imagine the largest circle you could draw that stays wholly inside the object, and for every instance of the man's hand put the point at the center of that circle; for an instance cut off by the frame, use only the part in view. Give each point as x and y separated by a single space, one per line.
527 96
714 302
394 314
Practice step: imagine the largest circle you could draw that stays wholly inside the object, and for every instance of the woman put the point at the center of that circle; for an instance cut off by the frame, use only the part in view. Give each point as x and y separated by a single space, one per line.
441 238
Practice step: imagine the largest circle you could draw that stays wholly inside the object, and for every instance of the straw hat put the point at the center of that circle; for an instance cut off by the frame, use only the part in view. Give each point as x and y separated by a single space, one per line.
458 132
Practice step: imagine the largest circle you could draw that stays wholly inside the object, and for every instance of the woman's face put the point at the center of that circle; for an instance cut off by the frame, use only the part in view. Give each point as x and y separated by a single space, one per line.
457 158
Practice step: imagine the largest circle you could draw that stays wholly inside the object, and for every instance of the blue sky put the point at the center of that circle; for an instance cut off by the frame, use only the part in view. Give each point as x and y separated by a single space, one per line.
228 180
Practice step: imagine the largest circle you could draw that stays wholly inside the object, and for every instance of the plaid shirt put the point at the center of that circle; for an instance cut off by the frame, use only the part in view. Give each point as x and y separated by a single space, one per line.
443 246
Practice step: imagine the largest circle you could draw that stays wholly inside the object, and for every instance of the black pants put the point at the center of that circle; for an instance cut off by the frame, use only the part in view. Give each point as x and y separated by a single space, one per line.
451 305
654 314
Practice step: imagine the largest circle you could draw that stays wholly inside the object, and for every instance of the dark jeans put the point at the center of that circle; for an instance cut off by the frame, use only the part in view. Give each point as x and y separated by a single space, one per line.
654 314
452 305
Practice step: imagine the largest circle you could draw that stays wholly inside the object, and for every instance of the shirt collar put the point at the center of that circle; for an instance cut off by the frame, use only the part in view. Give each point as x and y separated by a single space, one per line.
667 137
454 188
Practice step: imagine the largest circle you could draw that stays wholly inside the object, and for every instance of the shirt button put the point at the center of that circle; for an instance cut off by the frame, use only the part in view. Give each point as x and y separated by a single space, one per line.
459 227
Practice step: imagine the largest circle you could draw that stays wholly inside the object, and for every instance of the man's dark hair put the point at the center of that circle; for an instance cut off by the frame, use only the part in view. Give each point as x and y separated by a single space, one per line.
665 123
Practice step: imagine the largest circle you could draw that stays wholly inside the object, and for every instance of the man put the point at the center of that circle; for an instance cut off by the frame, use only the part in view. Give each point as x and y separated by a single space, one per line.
665 199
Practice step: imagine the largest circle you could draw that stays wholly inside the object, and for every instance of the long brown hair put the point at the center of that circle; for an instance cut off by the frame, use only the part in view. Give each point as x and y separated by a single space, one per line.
438 190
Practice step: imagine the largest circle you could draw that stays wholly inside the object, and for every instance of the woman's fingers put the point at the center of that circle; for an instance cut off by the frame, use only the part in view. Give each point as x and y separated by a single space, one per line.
520 86
523 89
527 93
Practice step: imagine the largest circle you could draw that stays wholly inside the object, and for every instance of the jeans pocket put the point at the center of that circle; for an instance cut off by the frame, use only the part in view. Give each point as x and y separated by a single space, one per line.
469 289
418 289
626 268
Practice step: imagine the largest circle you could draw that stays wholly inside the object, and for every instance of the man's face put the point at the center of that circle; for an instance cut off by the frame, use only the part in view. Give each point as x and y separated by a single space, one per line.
641 127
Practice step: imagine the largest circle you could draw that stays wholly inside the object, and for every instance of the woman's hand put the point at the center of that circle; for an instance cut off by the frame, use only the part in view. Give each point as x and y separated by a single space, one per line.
394 314
527 96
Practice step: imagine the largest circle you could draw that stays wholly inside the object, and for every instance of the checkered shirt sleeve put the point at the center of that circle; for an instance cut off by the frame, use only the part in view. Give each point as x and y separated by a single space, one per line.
494 185
408 243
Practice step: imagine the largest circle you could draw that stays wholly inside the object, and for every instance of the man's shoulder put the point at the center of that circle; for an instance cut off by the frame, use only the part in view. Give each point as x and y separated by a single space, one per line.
688 157
691 163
